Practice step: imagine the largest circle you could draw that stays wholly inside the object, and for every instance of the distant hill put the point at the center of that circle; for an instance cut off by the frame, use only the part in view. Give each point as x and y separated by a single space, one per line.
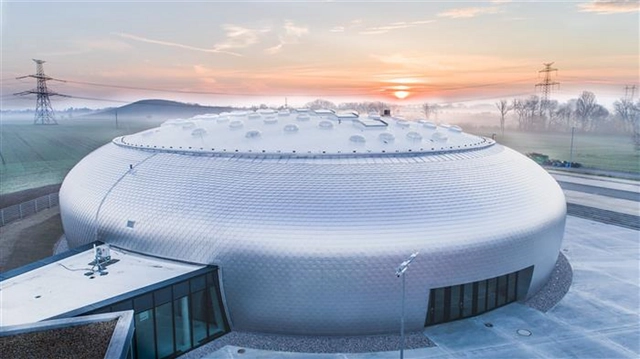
160 109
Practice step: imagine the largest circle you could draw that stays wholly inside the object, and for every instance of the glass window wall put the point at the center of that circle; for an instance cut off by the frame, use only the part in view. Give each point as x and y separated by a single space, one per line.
174 318
469 299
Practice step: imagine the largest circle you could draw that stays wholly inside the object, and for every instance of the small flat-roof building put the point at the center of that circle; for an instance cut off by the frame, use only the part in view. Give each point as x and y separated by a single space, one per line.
177 305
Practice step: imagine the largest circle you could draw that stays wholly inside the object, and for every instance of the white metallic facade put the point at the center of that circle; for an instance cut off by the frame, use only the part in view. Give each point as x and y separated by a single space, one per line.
308 225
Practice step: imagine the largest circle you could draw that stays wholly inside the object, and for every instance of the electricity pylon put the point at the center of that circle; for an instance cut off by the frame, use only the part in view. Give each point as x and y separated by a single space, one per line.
546 85
44 112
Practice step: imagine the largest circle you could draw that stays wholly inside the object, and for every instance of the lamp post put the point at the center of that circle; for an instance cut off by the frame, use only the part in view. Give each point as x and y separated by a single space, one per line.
400 273
571 150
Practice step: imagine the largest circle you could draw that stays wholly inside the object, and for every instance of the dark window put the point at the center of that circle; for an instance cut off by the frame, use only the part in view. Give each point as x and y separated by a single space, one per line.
143 302
469 299
180 290
216 321
482 297
145 343
455 303
182 322
199 310
125 305
492 287
197 283
467 302
511 287
439 305
502 290
164 330
162 296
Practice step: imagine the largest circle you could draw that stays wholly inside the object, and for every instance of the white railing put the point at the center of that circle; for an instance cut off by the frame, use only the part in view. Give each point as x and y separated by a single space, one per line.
25 209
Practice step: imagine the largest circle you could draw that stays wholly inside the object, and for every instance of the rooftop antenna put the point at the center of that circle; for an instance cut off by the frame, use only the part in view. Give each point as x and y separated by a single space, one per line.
101 255
44 112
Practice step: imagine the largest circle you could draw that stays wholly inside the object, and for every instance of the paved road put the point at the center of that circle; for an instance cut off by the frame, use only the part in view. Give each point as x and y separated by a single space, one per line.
604 216
610 212
602 191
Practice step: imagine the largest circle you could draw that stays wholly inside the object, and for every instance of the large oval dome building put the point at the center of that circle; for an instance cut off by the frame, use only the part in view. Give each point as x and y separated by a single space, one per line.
308 214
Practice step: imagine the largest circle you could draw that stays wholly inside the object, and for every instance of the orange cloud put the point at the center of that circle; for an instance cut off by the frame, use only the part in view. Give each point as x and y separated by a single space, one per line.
393 26
468 12
607 7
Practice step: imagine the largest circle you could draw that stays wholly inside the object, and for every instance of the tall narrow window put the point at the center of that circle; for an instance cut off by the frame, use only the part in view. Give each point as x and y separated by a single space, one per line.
492 287
511 287
467 301
216 321
145 342
439 306
182 324
164 330
502 290
199 309
455 304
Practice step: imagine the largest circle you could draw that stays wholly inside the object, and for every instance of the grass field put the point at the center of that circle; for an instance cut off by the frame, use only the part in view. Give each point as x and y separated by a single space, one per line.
605 152
35 156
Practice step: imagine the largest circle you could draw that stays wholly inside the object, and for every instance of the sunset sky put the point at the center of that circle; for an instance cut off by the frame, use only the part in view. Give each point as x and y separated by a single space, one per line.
243 53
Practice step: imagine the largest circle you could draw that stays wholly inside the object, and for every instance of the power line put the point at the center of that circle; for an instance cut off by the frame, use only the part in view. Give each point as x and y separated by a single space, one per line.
98 99
96 84
154 89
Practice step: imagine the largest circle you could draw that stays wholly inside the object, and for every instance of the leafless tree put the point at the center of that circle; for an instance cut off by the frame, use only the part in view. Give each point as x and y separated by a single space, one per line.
551 118
563 118
519 108
504 108
534 121
585 108
428 110
600 121
321 104
629 113
625 111
364 107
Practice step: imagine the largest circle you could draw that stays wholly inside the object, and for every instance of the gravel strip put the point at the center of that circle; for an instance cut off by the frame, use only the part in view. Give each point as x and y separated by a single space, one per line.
79 342
313 344
555 289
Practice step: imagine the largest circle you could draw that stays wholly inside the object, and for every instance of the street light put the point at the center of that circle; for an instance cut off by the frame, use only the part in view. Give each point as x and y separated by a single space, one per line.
400 273
570 164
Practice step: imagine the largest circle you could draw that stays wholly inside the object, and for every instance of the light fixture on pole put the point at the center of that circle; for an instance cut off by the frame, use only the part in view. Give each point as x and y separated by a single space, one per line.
400 273
570 164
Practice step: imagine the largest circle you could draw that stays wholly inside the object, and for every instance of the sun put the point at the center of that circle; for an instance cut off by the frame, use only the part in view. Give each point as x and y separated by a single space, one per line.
402 94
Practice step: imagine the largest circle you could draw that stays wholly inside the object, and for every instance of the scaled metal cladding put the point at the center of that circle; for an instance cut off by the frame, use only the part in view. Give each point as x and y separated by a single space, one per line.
308 242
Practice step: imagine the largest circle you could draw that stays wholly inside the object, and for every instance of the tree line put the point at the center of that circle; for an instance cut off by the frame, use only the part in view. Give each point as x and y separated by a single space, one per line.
583 114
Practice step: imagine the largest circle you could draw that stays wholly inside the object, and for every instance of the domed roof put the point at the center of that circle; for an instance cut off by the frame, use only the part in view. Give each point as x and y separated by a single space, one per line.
303 133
